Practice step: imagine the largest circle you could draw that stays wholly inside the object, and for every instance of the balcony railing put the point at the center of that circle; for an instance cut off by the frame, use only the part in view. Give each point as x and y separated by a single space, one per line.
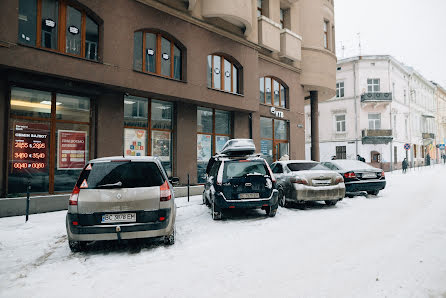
428 135
377 136
377 97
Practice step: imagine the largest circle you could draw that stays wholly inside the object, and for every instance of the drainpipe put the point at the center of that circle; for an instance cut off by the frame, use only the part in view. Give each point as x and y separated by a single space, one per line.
250 125
356 110
390 107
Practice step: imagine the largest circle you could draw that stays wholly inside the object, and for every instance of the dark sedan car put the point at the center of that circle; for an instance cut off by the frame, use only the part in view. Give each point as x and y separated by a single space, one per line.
358 176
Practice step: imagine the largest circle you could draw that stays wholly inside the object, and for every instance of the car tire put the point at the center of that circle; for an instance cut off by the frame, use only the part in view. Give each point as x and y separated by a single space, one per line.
373 192
216 215
331 203
282 198
170 239
77 246
271 211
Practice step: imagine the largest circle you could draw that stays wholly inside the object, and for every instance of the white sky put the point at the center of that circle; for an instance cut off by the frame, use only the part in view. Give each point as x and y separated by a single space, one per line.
413 31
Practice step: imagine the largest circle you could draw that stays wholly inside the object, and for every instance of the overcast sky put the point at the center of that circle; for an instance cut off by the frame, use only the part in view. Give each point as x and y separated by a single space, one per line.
413 31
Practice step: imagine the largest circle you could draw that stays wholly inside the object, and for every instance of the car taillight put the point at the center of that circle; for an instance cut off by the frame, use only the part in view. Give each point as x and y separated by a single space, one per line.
270 172
298 180
382 174
220 174
165 192
74 195
339 180
350 175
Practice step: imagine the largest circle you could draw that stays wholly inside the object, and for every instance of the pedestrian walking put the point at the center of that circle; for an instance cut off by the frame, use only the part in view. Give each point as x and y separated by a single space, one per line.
405 164
444 158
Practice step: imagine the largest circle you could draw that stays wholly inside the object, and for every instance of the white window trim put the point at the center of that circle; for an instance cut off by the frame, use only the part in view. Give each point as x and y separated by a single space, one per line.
336 124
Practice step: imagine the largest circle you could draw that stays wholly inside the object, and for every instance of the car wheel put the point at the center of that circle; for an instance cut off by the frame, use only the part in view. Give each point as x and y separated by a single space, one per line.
373 192
216 215
170 239
77 246
271 211
331 203
282 199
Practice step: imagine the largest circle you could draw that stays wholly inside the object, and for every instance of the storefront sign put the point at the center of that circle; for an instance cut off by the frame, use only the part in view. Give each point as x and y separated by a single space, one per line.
278 114
73 30
161 145
135 141
30 149
72 145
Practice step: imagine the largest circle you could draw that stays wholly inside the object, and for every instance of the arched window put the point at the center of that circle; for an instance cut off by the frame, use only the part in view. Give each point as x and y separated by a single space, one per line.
223 74
273 92
157 53
60 26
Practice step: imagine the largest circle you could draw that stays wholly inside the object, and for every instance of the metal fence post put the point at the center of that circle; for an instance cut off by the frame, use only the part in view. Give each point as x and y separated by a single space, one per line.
28 188
188 187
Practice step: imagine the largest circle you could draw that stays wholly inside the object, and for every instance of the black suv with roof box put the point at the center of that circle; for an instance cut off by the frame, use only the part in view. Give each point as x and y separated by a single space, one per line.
238 179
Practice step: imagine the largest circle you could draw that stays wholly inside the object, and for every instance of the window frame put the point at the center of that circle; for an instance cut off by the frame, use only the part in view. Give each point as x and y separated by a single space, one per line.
281 85
259 8
341 152
340 90
214 134
276 141
173 43
340 122
374 84
234 64
62 27
325 30
374 121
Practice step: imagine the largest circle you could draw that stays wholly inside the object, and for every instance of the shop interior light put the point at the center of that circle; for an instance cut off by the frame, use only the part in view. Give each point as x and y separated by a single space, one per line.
47 102
129 102
22 103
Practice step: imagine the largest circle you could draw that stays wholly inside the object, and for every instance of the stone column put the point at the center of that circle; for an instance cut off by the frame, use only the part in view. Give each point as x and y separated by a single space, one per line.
186 142
110 125
314 126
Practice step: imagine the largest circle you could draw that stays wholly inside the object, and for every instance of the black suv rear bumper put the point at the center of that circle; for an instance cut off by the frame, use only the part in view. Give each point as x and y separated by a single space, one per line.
223 203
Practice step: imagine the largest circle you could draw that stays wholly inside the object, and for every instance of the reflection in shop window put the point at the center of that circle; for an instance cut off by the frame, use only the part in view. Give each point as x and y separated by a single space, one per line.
223 74
274 140
273 92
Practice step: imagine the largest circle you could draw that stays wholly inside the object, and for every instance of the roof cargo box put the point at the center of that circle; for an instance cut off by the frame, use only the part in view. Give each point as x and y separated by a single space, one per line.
239 147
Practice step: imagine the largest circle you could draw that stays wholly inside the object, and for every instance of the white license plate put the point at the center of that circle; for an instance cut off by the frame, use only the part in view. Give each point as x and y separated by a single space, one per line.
119 217
322 182
254 195
368 175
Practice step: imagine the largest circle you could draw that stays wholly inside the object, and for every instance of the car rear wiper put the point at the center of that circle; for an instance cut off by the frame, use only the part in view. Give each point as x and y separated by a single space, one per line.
117 184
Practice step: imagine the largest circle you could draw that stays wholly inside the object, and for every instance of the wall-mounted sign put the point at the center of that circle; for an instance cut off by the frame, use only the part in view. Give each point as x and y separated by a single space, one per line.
150 52
30 149
165 56
71 149
278 114
227 74
50 23
217 71
73 30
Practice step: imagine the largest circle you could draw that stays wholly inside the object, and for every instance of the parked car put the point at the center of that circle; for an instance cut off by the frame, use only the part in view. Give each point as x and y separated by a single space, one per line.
300 181
121 198
237 178
358 176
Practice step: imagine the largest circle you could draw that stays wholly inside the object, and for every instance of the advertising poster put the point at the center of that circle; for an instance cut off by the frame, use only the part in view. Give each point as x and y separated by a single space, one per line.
30 147
220 142
135 141
72 149
204 147
161 145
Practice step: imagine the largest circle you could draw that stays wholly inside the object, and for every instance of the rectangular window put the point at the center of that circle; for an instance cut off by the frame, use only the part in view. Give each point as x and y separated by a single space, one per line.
340 123
282 18
214 130
375 121
50 19
274 142
91 39
339 89
373 85
142 138
73 31
341 152
326 26
50 137
27 22
259 7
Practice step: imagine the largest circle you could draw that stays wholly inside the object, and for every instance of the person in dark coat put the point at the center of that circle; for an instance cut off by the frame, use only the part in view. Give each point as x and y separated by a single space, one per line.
428 160
405 164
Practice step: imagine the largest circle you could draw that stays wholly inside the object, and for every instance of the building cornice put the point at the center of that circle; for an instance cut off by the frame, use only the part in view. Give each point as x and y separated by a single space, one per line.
320 50
277 62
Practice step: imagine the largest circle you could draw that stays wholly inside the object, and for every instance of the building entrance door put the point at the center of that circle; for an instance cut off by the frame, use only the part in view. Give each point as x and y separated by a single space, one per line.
280 149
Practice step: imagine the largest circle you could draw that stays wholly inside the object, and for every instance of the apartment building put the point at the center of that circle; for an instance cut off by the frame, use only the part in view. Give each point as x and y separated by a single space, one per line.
172 78
440 117
380 105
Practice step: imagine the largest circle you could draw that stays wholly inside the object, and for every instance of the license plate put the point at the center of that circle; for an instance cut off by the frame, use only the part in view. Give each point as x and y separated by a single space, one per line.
119 217
322 182
254 195
368 175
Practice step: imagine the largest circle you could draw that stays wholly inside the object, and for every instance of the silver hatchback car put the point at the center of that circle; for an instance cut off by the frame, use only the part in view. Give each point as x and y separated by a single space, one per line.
121 198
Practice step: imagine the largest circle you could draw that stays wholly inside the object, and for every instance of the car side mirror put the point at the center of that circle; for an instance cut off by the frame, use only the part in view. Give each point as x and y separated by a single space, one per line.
174 180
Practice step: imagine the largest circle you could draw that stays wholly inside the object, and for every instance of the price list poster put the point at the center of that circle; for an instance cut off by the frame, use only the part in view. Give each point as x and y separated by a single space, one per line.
30 148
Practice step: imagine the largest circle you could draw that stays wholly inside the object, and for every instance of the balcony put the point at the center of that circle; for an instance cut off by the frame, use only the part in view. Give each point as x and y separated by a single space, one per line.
377 136
269 34
236 12
290 45
428 136
377 97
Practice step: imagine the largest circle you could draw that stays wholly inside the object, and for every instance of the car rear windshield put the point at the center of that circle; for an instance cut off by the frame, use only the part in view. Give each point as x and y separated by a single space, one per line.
294 167
120 175
353 165
236 169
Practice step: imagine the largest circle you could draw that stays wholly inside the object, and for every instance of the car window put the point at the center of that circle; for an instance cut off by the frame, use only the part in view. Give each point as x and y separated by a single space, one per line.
304 166
234 169
352 165
330 166
214 170
278 169
123 174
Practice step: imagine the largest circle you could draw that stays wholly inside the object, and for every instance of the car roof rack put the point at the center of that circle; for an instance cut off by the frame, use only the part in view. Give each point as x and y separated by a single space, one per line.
238 147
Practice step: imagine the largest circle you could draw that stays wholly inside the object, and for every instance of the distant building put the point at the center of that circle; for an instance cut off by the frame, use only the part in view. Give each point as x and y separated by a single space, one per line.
380 105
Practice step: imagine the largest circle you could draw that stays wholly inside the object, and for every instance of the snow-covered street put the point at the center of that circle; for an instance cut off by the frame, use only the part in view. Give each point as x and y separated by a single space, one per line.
392 245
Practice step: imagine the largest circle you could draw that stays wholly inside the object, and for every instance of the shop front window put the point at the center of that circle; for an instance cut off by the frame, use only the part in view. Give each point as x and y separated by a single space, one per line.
274 141
148 129
214 129
36 119
55 25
